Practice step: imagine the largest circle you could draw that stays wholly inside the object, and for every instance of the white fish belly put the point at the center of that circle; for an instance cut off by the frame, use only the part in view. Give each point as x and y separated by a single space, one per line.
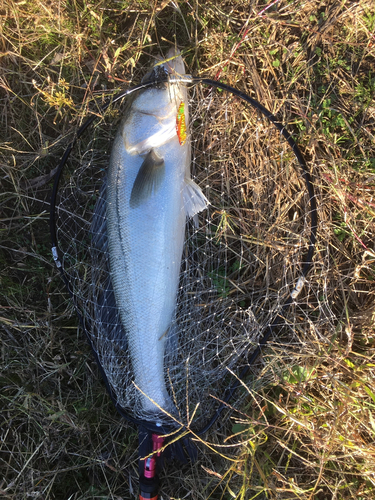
145 248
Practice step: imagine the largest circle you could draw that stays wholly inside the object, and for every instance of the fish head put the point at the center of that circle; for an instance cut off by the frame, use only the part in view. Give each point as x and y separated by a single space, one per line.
158 114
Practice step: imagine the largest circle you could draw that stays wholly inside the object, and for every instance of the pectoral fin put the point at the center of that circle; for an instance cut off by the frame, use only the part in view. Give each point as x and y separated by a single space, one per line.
194 199
148 180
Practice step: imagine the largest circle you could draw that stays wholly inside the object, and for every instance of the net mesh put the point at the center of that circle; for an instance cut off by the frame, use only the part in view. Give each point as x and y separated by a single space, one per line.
239 264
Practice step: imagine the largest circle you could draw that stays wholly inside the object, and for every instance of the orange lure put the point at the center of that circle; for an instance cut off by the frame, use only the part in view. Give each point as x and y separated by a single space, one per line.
180 124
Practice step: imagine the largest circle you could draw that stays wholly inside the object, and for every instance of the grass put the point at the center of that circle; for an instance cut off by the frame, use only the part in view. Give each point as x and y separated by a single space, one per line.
307 427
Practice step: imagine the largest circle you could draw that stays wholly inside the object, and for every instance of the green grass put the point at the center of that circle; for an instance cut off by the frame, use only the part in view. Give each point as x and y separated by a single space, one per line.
307 427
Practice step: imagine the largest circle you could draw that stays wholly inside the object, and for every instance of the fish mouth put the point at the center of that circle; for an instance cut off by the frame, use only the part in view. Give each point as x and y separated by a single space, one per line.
165 68
159 74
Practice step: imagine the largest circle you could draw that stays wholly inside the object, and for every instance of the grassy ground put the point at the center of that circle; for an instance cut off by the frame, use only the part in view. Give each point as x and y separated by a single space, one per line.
309 433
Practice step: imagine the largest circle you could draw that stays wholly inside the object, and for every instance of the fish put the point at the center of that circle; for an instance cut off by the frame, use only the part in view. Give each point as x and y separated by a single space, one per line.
149 197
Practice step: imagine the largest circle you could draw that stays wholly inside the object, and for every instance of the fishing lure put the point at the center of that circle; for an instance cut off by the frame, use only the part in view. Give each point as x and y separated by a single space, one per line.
180 124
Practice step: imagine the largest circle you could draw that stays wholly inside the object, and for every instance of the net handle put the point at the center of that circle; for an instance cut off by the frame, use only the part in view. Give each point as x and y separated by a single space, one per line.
229 393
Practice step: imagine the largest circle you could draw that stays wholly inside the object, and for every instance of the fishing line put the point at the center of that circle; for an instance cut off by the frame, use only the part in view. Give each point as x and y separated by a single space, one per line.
277 322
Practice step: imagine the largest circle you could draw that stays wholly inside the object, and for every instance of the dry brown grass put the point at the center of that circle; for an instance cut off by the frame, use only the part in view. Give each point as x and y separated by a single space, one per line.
307 430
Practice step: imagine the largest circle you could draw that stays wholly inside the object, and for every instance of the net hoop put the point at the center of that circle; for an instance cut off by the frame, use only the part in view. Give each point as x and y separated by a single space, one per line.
231 389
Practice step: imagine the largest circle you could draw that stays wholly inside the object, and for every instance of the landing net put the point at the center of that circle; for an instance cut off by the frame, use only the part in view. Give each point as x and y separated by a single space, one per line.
240 263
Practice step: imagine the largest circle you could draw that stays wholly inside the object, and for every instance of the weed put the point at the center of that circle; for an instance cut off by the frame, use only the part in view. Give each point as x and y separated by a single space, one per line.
306 428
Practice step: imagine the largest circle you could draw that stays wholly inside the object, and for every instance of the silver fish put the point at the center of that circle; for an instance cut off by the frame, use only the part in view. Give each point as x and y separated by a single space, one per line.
149 195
